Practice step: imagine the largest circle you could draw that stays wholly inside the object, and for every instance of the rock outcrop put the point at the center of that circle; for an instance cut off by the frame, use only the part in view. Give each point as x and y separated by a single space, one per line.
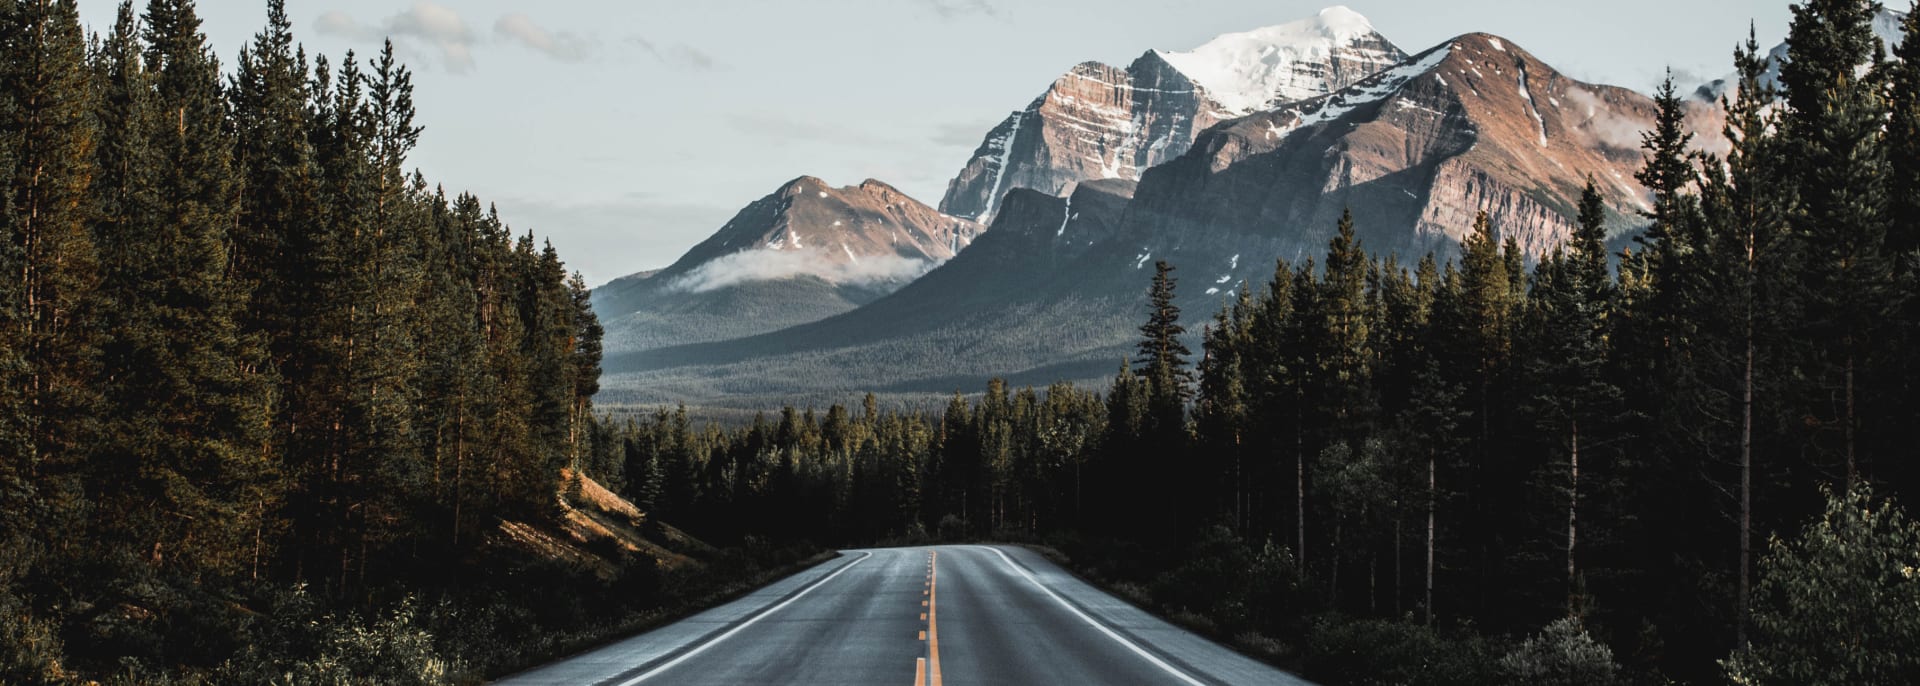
1104 122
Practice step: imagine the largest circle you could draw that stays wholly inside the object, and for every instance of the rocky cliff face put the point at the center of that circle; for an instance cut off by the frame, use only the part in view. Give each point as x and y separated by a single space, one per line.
1104 122
1417 152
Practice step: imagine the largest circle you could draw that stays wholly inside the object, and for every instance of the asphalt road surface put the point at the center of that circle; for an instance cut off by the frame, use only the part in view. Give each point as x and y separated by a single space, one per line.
941 616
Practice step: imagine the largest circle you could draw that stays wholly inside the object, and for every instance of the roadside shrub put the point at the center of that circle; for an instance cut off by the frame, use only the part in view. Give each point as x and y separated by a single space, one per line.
29 650
393 650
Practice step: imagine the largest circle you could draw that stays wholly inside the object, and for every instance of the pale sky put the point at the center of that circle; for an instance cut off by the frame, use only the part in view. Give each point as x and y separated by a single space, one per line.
628 130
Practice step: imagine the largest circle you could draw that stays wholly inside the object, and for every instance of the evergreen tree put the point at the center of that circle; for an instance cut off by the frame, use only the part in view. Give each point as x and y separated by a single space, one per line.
1834 123
47 127
188 435
1572 299
1903 148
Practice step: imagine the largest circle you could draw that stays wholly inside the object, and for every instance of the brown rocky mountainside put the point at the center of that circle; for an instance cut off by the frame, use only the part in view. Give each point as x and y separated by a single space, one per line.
1477 124
1103 122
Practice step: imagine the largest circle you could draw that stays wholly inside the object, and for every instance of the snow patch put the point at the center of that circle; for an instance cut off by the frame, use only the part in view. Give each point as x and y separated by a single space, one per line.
1000 168
1212 291
1244 72
1066 218
1236 263
1532 108
1142 262
1497 45
1372 90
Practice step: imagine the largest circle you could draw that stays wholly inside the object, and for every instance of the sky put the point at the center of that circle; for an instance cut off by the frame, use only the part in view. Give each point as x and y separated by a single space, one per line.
625 131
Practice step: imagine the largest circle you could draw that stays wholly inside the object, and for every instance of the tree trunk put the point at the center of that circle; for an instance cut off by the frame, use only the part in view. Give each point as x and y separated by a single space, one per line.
1853 471
1431 497
1573 508
1398 580
1300 491
1746 482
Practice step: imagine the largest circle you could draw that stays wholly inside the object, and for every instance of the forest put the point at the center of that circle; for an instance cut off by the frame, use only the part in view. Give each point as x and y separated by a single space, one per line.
273 409
269 403
1678 463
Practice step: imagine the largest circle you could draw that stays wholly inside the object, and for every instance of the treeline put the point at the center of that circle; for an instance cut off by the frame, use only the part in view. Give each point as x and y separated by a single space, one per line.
1369 455
241 348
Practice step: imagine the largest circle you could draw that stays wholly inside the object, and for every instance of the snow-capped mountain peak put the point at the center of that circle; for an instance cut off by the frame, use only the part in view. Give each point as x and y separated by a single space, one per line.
1246 72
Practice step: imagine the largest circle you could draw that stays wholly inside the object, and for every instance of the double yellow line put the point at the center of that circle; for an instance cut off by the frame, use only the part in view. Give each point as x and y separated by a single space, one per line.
927 669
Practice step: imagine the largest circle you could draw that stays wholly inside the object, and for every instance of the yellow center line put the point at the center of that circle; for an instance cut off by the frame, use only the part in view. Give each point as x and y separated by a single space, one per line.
933 620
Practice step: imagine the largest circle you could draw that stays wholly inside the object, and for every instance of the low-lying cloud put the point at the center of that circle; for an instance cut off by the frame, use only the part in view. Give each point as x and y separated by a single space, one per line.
1607 126
774 265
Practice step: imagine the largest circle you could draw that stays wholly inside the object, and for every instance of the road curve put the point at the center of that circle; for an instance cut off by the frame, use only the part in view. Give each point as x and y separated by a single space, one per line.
939 616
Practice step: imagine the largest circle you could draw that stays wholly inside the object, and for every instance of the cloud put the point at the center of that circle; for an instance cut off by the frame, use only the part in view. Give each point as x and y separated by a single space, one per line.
564 46
425 24
677 55
772 265
1606 126
953 9
785 130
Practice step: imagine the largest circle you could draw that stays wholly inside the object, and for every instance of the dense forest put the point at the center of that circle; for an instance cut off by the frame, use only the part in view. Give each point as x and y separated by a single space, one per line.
274 410
266 399
1673 463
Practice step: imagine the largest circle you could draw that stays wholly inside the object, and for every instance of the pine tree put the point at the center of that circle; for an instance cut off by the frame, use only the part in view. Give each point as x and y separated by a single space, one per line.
189 455
1163 366
583 368
1754 261
1344 347
1162 355
47 126
1833 125
1571 302
1903 148
1222 413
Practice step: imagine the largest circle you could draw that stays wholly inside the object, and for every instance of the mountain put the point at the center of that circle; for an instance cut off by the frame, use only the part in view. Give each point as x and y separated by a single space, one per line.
1477 124
1104 122
802 253
1055 289
1033 298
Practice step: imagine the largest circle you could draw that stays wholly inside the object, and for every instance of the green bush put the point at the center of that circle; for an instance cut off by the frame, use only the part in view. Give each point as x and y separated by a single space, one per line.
393 650
1562 655
1840 604
29 650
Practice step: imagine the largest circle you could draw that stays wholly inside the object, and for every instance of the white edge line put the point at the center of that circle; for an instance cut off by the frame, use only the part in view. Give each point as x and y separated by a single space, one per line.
763 615
1122 640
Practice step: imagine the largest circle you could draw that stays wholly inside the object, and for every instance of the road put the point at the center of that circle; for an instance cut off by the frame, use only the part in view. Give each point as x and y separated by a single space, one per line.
940 616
